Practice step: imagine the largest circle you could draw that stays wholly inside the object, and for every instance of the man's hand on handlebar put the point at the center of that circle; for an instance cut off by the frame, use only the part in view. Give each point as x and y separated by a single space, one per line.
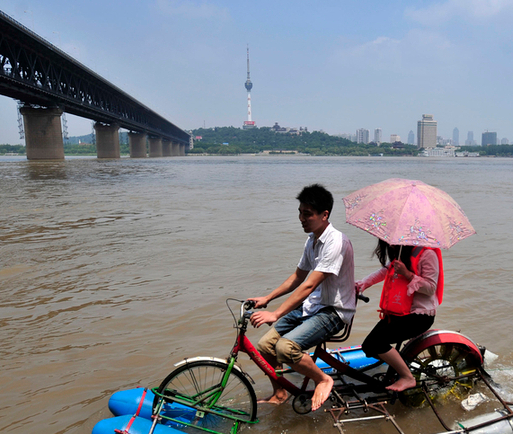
260 302
263 317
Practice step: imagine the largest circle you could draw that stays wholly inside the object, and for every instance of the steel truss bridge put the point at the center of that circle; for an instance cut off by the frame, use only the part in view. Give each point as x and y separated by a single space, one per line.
37 73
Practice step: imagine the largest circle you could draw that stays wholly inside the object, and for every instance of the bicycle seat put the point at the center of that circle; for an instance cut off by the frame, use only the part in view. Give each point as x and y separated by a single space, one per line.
343 334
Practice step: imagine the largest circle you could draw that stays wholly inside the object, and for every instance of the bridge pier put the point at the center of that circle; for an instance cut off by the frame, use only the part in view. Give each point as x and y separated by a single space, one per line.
175 149
137 143
182 150
107 140
166 148
155 146
43 133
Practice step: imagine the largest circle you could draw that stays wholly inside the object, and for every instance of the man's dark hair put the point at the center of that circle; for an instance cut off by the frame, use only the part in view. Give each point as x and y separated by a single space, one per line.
317 197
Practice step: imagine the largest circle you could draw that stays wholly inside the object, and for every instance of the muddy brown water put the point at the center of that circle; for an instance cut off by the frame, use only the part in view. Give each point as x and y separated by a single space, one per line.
112 271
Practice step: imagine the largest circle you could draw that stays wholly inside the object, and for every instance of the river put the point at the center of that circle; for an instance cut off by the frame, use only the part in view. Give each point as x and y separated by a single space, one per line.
112 271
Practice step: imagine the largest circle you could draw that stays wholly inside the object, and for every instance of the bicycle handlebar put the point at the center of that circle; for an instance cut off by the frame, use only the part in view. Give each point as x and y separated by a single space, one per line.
249 304
363 298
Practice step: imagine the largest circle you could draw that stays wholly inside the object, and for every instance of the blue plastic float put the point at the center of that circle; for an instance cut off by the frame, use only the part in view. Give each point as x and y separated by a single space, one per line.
353 356
132 409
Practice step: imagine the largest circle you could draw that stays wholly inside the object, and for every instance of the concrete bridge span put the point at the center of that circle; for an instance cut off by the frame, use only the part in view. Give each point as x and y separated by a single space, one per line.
49 82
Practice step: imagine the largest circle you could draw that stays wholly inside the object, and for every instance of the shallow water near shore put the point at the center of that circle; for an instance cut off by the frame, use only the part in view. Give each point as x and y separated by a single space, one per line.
112 271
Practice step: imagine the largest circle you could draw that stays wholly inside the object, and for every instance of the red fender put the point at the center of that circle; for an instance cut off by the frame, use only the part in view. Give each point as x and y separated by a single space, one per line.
434 337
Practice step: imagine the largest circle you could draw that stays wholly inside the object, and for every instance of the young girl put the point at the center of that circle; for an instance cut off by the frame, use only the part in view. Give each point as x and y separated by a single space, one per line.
412 291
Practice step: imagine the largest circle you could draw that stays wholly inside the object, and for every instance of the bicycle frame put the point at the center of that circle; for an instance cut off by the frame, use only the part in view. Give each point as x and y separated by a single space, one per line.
438 344
243 344
368 384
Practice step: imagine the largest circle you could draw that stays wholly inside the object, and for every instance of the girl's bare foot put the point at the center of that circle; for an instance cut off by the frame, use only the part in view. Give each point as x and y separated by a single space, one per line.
402 384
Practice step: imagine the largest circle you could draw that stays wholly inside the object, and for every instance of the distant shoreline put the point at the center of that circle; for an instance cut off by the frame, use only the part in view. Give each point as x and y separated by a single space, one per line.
277 154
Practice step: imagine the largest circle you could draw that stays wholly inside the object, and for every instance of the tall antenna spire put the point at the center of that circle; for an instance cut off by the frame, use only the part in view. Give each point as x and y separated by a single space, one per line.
249 123
249 85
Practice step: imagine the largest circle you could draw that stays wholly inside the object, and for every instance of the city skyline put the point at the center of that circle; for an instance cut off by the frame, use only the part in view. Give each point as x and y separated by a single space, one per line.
362 135
337 68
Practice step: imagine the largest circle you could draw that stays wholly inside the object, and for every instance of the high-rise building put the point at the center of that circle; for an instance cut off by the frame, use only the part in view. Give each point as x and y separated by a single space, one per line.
504 141
488 138
470 139
394 138
426 132
456 137
411 138
362 135
377 136
248 85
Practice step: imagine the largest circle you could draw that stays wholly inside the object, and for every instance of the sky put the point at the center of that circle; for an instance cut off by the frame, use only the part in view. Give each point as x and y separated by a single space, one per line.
330 65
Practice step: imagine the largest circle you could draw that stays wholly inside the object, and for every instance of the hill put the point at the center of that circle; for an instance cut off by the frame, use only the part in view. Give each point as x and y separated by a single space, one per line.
232 141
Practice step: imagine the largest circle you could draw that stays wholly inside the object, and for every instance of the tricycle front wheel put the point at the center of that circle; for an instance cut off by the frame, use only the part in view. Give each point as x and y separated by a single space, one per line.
199 384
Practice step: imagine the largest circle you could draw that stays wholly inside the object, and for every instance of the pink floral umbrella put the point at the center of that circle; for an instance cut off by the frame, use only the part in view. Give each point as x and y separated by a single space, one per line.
408 213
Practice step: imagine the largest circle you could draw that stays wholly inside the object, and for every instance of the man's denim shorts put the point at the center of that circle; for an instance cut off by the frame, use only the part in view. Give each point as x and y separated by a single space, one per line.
309 331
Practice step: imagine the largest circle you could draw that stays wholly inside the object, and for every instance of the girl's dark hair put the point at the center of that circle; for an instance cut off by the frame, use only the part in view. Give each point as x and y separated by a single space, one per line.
385 252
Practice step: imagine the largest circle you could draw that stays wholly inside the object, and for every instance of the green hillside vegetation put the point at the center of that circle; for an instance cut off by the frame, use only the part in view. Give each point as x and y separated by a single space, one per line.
16 149
233 141
236 141
87 149
491 150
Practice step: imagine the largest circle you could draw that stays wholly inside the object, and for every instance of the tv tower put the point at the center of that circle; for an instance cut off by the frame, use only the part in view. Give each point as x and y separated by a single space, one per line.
249 123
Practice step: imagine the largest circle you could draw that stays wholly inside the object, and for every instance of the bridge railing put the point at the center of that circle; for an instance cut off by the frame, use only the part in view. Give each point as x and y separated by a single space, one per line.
36 72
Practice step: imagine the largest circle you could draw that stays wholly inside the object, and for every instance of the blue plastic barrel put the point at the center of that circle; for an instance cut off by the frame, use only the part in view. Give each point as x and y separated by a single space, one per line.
140 425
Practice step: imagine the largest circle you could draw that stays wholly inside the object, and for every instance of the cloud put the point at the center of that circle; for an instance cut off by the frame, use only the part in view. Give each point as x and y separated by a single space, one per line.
477 11
416 50
380 53
193 9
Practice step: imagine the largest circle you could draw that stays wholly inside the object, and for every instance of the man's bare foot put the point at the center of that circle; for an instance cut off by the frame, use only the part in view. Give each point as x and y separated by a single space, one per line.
276 399
402 384
322 392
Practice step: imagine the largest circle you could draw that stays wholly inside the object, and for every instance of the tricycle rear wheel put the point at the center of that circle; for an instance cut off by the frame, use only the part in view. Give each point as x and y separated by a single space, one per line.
440 367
